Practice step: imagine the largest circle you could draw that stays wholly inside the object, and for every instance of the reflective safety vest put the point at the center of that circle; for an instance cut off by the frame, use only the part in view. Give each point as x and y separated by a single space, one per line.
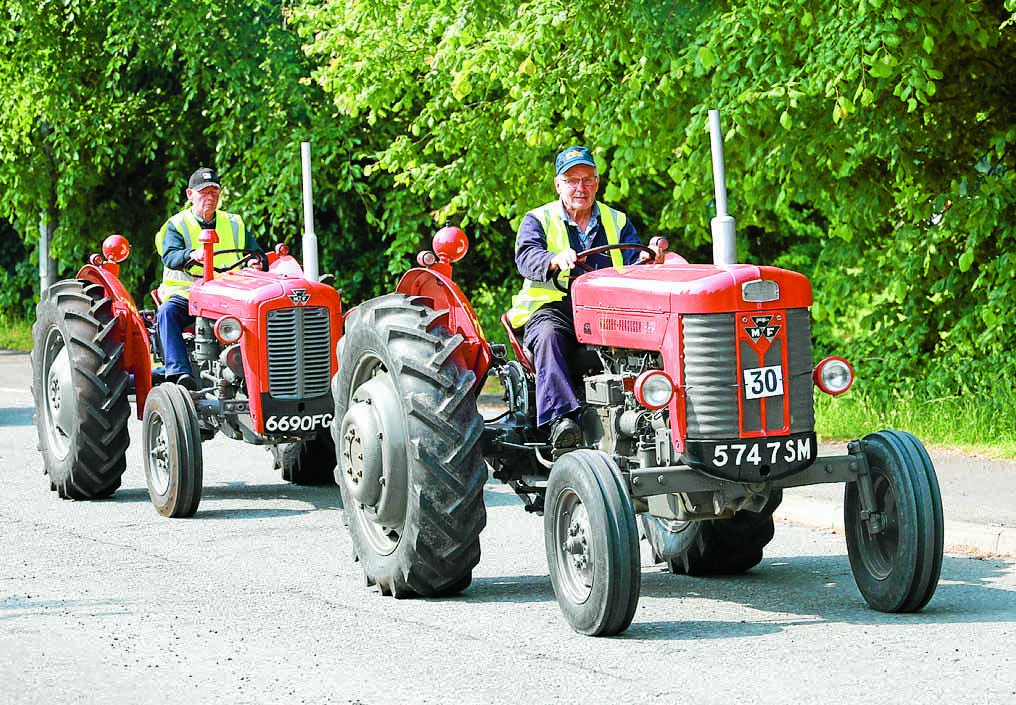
232 235
535 294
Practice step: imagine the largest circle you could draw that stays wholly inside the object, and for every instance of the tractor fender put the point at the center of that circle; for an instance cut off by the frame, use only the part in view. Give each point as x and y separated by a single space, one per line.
137 347
434 283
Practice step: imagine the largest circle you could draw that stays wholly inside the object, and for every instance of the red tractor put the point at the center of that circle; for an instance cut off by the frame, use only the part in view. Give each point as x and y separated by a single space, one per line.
699 411
261 346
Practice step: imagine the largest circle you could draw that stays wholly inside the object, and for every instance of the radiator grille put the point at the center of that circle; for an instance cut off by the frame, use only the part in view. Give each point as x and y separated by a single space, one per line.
711 377
799 360
298 352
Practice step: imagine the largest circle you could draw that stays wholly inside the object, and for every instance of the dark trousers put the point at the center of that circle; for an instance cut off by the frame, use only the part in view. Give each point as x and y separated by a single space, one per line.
173 316
550 335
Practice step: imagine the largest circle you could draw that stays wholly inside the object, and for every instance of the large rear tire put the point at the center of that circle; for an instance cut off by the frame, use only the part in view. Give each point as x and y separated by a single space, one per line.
713 546
80 386
174 467
896 569
310 461
592 544
407 436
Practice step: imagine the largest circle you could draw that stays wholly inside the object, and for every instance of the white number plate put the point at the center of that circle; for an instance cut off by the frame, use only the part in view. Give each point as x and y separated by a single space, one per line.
763 382
295 423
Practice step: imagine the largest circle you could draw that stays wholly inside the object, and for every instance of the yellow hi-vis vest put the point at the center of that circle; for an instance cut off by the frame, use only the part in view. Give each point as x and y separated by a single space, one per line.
535 294
228 227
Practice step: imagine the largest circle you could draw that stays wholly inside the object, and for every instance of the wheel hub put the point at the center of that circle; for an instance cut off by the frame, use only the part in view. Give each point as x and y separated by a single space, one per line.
575 557
158 454
59 390
363 454
372 456
882 546
577 545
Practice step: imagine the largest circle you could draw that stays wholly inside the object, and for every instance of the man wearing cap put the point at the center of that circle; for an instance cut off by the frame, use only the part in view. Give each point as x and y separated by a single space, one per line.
546 247
182 254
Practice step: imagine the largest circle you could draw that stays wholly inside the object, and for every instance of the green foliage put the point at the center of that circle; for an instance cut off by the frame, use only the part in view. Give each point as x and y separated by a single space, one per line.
18 271
869 144
112 104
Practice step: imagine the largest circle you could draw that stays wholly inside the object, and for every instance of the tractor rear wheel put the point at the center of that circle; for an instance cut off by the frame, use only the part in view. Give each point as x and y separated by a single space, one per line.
896 568
174 467
80 385
713 546
310 461
592 544
407 437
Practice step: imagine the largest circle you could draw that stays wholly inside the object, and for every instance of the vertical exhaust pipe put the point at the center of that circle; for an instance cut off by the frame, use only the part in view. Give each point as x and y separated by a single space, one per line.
724 234
310 253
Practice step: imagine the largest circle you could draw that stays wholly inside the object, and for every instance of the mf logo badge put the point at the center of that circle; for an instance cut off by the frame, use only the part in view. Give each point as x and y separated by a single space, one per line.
762 327
299 297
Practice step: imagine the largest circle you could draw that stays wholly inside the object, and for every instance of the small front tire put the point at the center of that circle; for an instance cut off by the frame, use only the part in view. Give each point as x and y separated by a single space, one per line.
592 544
172 451
896 569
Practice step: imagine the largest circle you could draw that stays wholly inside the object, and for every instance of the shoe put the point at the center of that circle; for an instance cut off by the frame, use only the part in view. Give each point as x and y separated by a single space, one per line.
565 433
187 382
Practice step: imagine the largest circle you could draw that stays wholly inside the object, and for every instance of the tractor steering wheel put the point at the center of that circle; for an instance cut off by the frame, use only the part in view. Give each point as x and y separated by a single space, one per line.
563 284
248 256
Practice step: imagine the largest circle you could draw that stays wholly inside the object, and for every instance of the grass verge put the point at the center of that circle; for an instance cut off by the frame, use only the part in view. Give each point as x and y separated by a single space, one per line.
981 425
15 333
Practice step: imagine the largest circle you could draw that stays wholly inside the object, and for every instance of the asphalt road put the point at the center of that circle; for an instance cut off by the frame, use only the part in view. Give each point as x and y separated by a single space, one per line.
257 600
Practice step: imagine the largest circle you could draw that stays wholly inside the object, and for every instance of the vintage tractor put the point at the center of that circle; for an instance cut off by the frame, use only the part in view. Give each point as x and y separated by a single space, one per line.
261 347
699 411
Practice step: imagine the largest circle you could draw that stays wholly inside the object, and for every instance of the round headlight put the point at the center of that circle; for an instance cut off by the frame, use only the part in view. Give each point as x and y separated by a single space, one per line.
653 389
834 375
228 330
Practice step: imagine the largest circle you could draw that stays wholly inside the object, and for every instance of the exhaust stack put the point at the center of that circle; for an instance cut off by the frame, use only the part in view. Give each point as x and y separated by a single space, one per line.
724 234
310 245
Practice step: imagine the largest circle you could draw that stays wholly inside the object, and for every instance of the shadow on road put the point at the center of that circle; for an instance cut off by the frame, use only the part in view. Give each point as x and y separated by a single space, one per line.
791 591
517 589
324 497
814 590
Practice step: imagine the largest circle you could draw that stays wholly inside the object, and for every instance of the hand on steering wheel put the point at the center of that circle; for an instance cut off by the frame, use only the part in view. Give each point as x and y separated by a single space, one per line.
565 286
249 256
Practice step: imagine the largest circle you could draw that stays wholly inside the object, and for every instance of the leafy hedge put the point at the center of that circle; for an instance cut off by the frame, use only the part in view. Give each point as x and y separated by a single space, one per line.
869 144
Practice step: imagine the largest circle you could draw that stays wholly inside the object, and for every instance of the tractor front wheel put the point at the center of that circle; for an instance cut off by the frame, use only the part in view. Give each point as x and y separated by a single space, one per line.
407 438
713 546
896 553
592 544
172 443
80 384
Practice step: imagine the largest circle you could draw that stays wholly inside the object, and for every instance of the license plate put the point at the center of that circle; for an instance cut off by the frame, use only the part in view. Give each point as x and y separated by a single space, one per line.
767 451
296 423
763 382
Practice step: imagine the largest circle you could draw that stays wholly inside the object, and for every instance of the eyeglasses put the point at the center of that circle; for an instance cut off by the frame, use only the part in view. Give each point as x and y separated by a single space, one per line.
584 182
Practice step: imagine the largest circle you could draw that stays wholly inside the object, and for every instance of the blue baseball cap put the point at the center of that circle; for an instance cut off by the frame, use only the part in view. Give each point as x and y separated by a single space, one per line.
572 156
